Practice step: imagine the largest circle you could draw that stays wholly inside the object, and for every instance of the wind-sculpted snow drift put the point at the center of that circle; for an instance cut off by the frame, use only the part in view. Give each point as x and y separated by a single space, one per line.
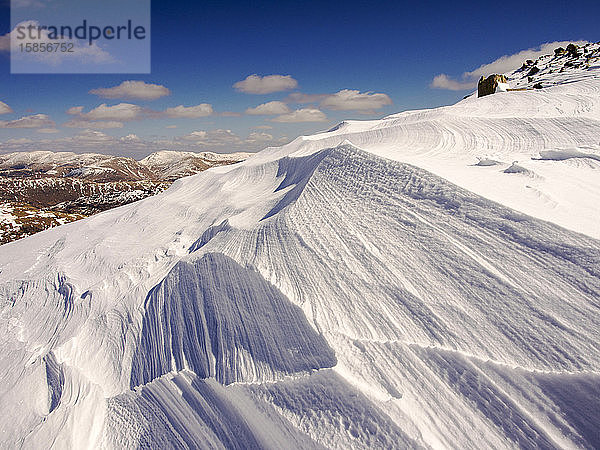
203 314
319 295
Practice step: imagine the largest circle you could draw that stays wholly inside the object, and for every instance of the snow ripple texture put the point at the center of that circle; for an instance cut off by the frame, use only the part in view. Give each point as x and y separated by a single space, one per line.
322 295
210 317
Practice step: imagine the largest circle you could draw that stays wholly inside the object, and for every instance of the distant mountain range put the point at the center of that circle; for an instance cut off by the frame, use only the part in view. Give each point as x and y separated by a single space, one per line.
42 189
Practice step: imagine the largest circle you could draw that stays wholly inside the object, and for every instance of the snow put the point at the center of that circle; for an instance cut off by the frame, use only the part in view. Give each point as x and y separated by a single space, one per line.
173 165
368 287
6 216
193 293
502 87
167 157
48 157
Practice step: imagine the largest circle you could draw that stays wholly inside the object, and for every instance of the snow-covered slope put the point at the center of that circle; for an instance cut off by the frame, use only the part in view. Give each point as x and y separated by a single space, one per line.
328 294
42 189
158 166
170 165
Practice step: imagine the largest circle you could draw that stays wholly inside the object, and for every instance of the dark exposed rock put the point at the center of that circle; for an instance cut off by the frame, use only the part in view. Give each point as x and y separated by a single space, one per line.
573 50
538 86
533 71
487 86
559 51
527 64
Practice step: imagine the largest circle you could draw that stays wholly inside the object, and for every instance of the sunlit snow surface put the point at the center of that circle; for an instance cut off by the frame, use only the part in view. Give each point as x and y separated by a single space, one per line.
370 287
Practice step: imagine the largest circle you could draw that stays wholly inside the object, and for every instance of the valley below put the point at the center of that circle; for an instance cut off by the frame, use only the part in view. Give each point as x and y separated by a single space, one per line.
41 190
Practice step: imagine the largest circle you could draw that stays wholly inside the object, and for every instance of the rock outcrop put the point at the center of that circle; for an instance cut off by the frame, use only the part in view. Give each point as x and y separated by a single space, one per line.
488 85
573 50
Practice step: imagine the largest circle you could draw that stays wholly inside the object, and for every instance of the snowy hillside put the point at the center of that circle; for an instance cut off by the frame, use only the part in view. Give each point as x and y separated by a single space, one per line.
159 166
42 189
431 279
170 165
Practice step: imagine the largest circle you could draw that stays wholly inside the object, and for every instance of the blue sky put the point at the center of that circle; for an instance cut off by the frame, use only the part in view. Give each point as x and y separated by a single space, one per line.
330 61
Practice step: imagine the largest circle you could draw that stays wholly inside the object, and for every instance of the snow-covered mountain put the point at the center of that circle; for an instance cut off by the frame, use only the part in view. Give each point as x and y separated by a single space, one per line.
42 189
431 279
159 166
172 165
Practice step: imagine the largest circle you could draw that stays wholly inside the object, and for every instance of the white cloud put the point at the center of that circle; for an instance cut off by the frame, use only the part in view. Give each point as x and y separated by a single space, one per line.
4 108
34 121
47 130
82 51
122 111
255 84
93 124
270 108
86 141
190 112
194 136
138 90
5 43
258 137
443 81
104 116
302 115
75 110
92 137
353 100
263 127
130 138
344 100
506 63
18 141
298 97
224 138
26 4
214 138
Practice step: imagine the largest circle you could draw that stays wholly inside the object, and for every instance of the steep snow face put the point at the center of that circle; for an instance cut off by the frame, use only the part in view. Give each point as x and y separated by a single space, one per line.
180 330
325 295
